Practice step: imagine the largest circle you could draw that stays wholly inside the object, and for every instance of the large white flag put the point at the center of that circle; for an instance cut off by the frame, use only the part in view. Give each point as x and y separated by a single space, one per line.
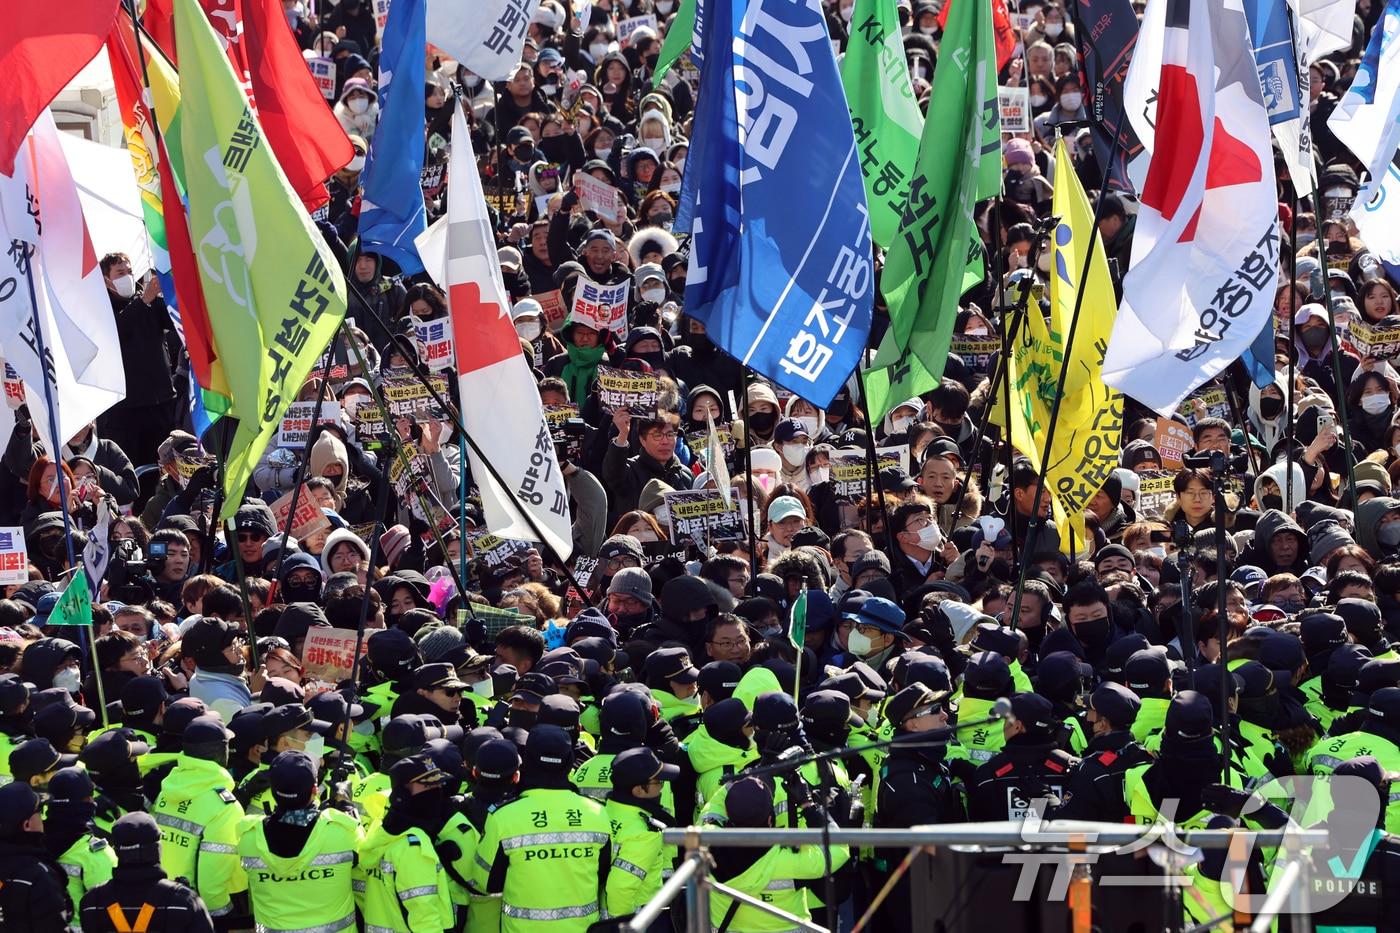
42 226
1205 250
487 36
1324 26
1365 120
501 407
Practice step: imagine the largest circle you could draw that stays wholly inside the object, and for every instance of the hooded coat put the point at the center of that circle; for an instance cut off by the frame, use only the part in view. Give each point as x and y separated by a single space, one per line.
1259 553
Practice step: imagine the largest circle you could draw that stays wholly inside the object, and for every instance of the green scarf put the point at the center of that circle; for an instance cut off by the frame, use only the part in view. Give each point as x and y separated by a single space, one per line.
582 368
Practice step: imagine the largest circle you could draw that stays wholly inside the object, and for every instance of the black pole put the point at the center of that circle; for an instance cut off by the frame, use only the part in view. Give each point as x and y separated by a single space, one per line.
1292 347
748 469
1218 481
300 475
873 474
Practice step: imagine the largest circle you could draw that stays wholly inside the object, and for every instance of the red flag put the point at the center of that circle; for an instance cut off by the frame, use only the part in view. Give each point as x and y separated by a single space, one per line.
1002 30
304 134
159 20
41 49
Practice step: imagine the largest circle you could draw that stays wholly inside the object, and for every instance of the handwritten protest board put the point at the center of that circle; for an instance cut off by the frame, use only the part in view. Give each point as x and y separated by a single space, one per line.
1015 106
14 558
850 476
323 72
552 306
14 387
621 388
329 654
584 566
977 352
434 342
1155 493
308 519
699 516
187 465
1173 439
626 27
407 397
601 307
1377 342
598 196
297 422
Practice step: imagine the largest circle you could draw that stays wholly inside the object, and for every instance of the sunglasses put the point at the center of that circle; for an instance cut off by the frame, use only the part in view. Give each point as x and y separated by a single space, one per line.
251 536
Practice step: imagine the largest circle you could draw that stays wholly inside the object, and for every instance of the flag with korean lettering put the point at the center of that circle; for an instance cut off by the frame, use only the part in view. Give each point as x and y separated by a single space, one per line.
1206 247
937 255
485 36
780 268
273 289
501 408
62 343
885 114
1367 121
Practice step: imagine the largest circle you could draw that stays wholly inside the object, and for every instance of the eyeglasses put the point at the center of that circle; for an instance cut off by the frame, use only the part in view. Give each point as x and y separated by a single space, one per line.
667 433
731 643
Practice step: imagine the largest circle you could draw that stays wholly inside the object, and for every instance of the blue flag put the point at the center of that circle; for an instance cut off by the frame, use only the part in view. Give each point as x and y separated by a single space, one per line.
391 212
780 265
1273 53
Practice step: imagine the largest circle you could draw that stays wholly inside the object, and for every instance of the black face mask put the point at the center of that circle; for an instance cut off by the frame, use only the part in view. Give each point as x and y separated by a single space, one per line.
1092 634
1315 338
763 421
301 593
1000 568
525 154
1270 407
522 719
1273 502
1034 636
839 407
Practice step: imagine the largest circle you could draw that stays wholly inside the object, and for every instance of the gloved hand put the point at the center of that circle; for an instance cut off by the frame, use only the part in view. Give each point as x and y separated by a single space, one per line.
1231 801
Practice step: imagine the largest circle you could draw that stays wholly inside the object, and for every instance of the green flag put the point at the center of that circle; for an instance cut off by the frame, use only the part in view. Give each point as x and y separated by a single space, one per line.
797 631
884 113
679 35
937 255
74 607
273 289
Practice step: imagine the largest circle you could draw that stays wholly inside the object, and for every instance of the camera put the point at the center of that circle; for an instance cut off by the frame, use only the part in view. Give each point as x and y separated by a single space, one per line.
568 446
129 576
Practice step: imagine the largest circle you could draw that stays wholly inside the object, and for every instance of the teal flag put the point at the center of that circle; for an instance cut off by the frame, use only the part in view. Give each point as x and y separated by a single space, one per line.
884 113
679 35
74 607
797 631
937 255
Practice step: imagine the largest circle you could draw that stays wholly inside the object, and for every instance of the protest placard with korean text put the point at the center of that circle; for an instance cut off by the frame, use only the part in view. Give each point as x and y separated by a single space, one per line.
601 307
14 558
621 388
308 519
297 422
699 516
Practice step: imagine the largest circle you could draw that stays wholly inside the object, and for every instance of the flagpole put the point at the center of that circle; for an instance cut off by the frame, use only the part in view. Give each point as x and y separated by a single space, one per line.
998 265
300 475
748 467
1336 357
56 455
872 472
1292 352
1037 519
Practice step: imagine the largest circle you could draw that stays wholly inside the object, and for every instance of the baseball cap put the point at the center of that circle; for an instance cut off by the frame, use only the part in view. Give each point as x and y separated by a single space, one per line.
412 731
637 766
719 679
533 687
882 614
437 676
1116 703
142 696
1034 712
283 719
420 769
497 760
787 429
549 748
671 664
785 507
112 750
292 776
35 757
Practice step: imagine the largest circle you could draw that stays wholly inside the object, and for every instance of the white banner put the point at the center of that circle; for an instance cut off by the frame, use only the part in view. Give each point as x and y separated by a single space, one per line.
486 36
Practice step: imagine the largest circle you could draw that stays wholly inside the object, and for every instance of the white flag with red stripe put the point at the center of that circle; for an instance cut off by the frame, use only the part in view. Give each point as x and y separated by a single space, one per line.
501 407
1206 247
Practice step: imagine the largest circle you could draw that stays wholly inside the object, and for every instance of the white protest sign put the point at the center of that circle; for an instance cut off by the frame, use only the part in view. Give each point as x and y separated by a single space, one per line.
626 27
323 70
14 558
1015 106
434 339
381 14
601 307
597 196
301 418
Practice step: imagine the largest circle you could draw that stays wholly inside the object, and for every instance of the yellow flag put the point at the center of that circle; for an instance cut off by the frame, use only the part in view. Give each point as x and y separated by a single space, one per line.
1090 428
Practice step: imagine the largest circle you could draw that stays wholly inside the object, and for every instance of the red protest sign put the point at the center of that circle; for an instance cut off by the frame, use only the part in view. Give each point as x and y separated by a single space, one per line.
309 518
329 654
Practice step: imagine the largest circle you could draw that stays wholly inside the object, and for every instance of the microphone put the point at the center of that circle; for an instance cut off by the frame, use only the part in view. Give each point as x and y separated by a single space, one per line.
1001 709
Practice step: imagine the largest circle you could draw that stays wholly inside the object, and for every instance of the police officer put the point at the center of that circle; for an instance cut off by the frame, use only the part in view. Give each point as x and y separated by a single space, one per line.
672 679
1361 861
288 727
300 858
139 891
640 861
1063 679
159 762
144 700
33 892
1028 767
1188 762
916 788
1094 790
827 721
434 689
778 736
1378 737
624 720
404 885
35 761
70 835
721 746
548 851
986 679
16 720
199 817
114 761
249 742
494 765
391 656
1322 633
564 711
1148 674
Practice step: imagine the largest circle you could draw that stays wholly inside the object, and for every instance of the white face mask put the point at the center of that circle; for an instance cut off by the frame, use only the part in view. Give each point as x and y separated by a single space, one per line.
483 688
315 749
1337 193
69 679
795 454
656 295
529 330
810 425
671 187
928 30
1054 29
930 537
597 50
603 153
1375 404
1071 100
662 514
1158 550
859 644
819 475
357 164
124 285
846 13
900 425
654 144
1038 100
357 104
664 7
975 332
